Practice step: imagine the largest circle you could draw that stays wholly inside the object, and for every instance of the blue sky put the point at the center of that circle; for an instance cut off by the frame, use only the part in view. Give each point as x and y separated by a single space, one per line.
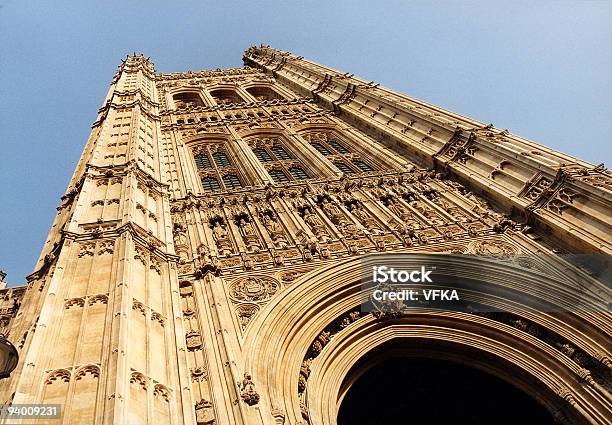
541 69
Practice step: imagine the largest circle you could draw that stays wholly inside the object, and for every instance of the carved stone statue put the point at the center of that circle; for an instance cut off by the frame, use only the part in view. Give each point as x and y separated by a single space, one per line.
365 219
248 233
247 390
275 231
316 225
222 239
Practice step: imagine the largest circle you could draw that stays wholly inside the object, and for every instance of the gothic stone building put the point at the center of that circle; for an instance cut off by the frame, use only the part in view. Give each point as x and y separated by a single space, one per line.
203 265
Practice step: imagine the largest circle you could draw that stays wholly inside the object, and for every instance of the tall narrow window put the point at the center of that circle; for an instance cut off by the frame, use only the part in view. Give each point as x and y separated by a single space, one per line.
202 162
344 167
280 153
278 176
298 173
262 155
231 181
215 168
363 166
278 159
221 159
210 184
322 149
338 147
339 152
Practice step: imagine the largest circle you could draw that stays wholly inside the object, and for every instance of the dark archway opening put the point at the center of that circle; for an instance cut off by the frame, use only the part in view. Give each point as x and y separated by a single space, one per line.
416 391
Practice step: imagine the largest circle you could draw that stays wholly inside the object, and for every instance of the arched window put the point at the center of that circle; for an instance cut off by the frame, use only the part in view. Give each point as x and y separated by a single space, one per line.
263 93
187 99
210 184
322 149
298 173
262 155
280 153
339 152
231 181
221 159
226 96
280 162
202 161
278 176
215 168
342 166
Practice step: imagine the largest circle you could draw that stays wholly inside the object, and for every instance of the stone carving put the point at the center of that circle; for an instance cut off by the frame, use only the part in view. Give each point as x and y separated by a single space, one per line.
194 340
106 247
319 343
205 413
206 262
314 222
336 216
278 415
221 236
538 188
304 374
247 390
87 248
245 312
492 247
199 374
247 230
58 375
139 379
254 288
93 371
162 392
275 230
367 221
180 235
290 276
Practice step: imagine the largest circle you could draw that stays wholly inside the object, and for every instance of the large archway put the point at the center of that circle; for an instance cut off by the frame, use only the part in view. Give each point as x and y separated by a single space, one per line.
302 346
389 386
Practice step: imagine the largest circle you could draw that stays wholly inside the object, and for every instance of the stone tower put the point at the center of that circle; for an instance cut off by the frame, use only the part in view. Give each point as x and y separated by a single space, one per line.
203 265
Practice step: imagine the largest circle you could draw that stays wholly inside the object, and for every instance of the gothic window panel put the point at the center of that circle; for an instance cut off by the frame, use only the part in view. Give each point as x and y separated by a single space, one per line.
298 173
262 155
202 161
345 154
280 153
278 176
215 167
278 159
231 181
342 166
221 159
322 149
363 166
210 184
338 147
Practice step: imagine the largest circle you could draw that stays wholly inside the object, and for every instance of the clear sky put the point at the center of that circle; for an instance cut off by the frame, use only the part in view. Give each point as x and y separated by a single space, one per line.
542 69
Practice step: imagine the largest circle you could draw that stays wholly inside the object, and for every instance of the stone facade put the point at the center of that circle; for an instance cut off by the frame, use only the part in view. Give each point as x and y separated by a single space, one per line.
203 264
